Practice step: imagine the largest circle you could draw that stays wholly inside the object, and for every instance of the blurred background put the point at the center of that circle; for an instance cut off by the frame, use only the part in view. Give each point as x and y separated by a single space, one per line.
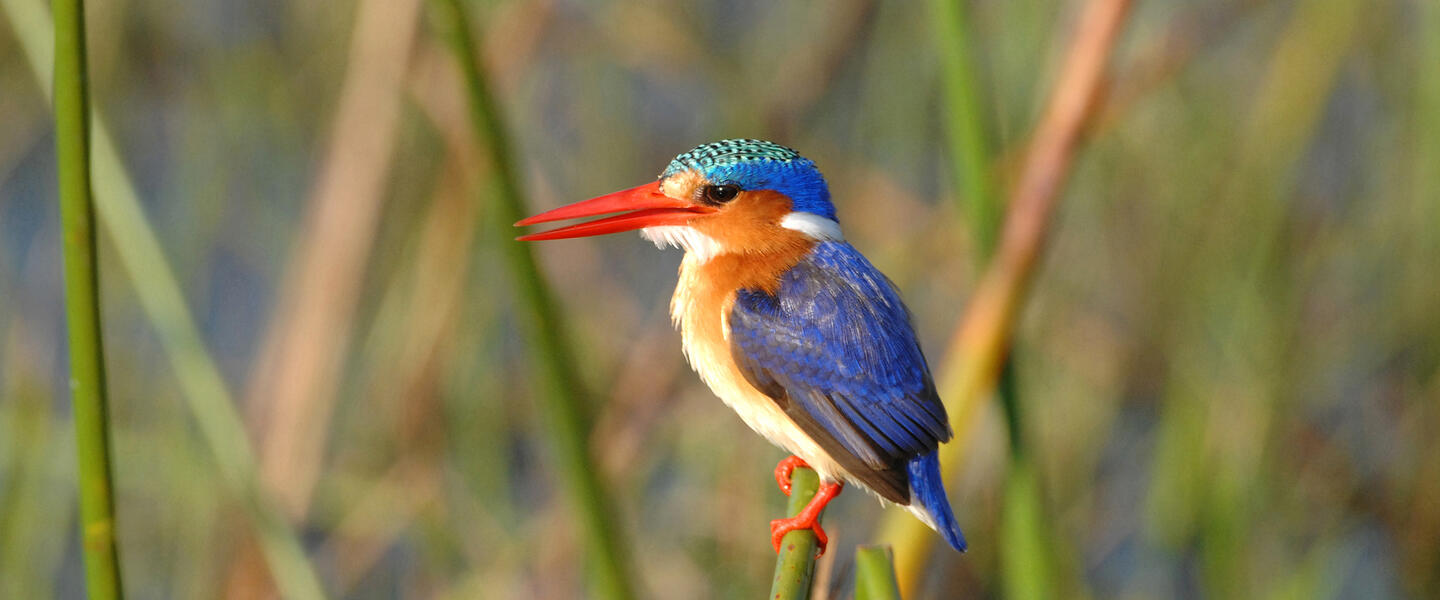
1227 361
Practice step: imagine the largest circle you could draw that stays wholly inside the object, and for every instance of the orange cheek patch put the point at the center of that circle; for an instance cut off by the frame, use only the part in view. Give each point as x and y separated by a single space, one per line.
758 249
750 223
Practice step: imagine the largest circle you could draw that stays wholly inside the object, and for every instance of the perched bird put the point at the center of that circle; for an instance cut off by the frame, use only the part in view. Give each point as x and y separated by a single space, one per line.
788 324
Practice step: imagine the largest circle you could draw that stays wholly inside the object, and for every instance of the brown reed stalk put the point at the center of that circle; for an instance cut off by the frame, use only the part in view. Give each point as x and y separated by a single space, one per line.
982 341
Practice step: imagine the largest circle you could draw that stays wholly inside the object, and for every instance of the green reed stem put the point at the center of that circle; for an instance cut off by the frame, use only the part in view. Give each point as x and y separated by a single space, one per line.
1027 570
971 163
875 574
971 168
140 255
82 304
980 349
561 391
796 561
970 154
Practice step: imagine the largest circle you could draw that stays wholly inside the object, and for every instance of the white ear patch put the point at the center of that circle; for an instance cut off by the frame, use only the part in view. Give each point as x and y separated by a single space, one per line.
813 225
702 246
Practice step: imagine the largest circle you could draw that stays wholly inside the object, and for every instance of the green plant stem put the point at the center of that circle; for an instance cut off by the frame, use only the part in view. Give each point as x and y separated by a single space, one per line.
1027 572
155 286
970 154
1026 569
796 561
979 348
82 304
562 394
875 574
971 159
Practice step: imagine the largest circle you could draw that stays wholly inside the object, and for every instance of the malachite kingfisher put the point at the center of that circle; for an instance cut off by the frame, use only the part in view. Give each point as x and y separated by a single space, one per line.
788 324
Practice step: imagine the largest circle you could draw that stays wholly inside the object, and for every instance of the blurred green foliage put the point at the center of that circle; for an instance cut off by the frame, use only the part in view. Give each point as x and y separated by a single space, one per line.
1229 362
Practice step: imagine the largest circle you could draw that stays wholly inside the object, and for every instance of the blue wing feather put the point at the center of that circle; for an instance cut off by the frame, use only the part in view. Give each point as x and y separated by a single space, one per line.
835 347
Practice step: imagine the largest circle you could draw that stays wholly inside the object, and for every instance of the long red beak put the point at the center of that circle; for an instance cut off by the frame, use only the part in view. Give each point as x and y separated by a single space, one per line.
648 207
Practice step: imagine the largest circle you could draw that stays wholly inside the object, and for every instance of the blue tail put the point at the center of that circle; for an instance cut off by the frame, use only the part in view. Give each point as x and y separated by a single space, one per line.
928 501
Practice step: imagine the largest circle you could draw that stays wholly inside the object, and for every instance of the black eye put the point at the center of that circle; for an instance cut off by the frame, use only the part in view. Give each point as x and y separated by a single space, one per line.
720 194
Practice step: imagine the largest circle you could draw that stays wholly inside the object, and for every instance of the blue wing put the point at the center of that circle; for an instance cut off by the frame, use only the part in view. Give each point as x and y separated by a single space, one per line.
833 346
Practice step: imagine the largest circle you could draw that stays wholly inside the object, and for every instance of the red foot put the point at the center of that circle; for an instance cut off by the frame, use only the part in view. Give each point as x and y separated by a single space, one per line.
783 470
809 517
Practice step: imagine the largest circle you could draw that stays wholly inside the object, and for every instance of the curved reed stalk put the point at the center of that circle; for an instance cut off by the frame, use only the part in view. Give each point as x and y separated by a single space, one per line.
561 392
980 345
82 304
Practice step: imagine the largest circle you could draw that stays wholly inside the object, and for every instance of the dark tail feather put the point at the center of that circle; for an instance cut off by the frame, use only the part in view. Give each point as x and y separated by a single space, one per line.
928 501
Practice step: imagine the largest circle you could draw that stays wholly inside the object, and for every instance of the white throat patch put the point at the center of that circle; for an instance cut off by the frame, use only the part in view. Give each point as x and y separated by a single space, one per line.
701 246
817 227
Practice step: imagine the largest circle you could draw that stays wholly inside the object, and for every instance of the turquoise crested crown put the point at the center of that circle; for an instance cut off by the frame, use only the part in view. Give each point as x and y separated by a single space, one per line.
759 165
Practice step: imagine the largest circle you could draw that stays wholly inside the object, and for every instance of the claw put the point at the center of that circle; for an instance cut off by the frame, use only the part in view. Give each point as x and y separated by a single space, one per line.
783 470
780 527
809 517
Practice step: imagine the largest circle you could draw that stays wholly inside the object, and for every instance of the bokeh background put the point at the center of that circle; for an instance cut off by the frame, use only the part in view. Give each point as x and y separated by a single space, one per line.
1227 364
